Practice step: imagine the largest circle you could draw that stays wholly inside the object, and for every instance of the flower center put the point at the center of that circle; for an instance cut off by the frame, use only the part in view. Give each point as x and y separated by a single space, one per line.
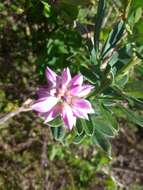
64 95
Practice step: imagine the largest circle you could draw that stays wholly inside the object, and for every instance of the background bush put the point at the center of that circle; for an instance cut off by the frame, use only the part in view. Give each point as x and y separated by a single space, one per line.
59 34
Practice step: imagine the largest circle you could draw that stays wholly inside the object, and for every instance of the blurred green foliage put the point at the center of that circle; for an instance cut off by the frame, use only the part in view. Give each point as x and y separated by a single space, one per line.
106 47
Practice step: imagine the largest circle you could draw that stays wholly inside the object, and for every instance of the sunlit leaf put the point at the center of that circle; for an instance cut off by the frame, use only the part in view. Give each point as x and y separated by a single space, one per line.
134 89
89 74
114 36
98 22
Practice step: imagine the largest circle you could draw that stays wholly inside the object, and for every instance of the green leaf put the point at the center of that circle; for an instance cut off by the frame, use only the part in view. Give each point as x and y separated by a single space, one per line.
132 116
134 89
75 3
69 11
87 126
89 75
122 80
111 184
79 138
93 57
138 14
114 36
56 122
58 132
137 3
47 9
103 127
109 117
100 140
98 23
120 61
79 126
138 32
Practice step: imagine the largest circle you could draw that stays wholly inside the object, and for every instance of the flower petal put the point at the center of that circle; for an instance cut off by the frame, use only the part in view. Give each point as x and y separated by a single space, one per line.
66 76
51 114
44 104
68 117
76 80
85 90
75 90
82 105
80 113
81 91
51 76
43 91
58 82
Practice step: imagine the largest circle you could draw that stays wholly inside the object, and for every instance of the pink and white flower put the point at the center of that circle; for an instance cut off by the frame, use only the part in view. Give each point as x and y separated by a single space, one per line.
64 96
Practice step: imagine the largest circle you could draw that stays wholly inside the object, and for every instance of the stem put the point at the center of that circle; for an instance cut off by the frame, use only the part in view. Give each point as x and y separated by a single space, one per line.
24 108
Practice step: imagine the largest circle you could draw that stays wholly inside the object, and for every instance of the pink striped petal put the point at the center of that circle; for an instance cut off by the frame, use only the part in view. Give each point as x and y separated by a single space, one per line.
52 114
51 76
76 80
68 117
75 90
83 105
81 91
79 113
85 90
58 82
44 104
66 76
43 91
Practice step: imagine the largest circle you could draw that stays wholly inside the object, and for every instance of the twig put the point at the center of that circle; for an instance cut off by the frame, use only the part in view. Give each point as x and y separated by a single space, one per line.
128 170
25 145
107 16
24 108
130 139
116 7
44 160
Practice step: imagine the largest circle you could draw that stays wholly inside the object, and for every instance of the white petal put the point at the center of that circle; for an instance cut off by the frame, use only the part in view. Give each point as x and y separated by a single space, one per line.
76 81
51 114
44 104
68 117
66 76
51 76
85 90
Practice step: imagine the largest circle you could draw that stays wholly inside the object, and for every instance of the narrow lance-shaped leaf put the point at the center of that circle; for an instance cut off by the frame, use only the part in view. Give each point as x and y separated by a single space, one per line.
114 36
102 127
134 117
98 23
56 122
121 61
134 89
87 126
58 132
79 126
100 140
109 117
91 76
75 3
79 138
